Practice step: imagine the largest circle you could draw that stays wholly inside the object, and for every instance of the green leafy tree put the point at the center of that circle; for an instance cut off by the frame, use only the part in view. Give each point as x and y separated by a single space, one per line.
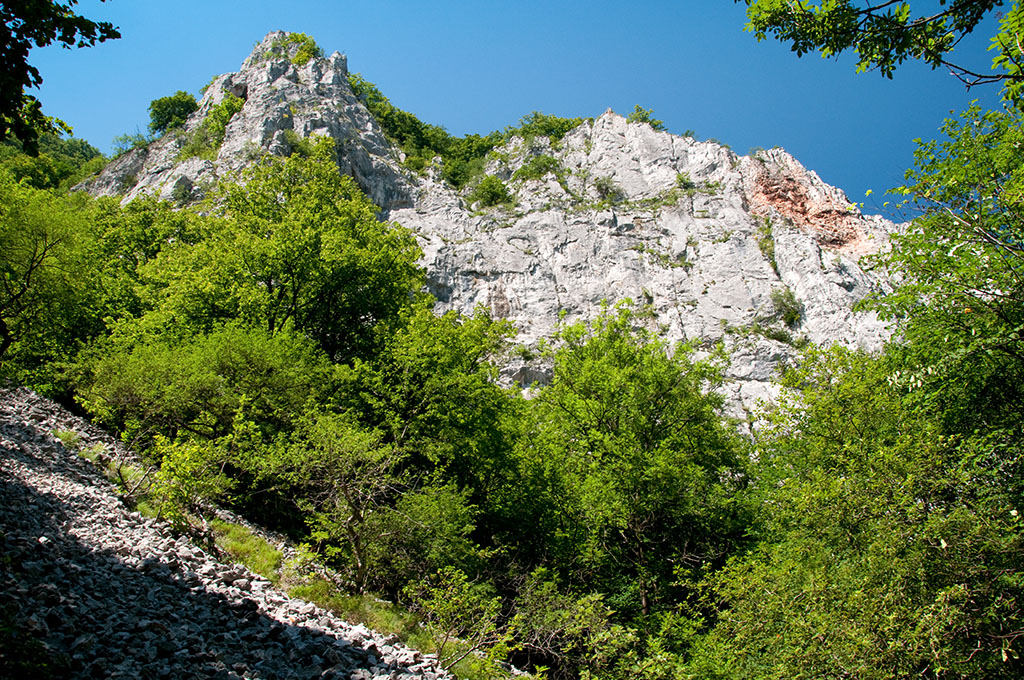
885 34
463 616
29 25
432 389
191 474
642 115
122 144
961 271
890 536
60 163
340 476
647 470
167 113
311 252
297 246
131 238
48 287
427 528
569 635
888 549
195 387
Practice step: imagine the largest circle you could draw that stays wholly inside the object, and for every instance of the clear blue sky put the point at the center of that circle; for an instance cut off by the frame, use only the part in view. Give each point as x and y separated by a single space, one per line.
476 66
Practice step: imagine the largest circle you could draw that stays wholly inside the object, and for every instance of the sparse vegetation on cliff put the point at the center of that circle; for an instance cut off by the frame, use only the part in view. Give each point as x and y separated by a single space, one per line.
205 140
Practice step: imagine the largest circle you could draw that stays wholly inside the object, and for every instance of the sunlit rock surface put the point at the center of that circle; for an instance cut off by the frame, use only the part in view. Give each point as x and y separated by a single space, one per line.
719 246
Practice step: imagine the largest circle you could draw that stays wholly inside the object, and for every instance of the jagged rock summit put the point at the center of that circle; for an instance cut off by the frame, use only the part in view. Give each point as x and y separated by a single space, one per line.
282 102
755 251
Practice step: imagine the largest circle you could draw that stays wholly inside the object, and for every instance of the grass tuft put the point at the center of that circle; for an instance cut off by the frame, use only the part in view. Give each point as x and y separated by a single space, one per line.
247 548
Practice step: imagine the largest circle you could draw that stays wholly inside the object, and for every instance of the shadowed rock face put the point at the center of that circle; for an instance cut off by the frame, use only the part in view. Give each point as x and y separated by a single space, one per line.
701 235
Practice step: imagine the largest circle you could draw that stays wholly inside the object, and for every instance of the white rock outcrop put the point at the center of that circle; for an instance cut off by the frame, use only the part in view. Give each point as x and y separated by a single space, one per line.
720 246
689 233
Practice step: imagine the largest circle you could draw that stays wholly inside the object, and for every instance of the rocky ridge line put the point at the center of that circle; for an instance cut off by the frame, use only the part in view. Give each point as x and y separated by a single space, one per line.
110 593
705 237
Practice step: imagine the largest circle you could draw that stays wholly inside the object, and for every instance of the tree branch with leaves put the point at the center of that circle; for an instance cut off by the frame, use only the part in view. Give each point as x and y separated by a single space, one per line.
885 34
37 24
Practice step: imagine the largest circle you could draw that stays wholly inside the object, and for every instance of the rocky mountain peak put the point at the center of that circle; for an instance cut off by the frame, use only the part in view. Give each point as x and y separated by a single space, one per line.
279 97
753 251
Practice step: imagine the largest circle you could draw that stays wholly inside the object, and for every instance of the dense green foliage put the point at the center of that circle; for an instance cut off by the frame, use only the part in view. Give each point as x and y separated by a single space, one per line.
29 25
539 124
59 164
48 282
167 113
892 548
461 158
646 466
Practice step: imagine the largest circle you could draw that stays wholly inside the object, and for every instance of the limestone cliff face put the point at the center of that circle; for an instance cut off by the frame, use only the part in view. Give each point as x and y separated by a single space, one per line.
755 251
283 101
719 245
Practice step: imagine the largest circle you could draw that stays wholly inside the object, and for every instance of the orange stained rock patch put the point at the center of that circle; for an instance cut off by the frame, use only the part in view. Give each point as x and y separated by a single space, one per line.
830 221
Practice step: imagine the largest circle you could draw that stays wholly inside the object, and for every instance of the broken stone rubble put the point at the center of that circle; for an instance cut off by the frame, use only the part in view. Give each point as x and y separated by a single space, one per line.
110 593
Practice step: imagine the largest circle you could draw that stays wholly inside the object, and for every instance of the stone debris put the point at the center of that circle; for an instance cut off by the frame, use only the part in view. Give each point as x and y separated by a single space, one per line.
110 593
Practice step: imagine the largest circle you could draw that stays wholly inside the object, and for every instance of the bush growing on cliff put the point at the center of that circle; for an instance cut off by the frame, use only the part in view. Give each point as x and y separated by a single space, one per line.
538 124
608 190
786 306
538 166
642 115
167 113
205 141
306 48
490 192
462 158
